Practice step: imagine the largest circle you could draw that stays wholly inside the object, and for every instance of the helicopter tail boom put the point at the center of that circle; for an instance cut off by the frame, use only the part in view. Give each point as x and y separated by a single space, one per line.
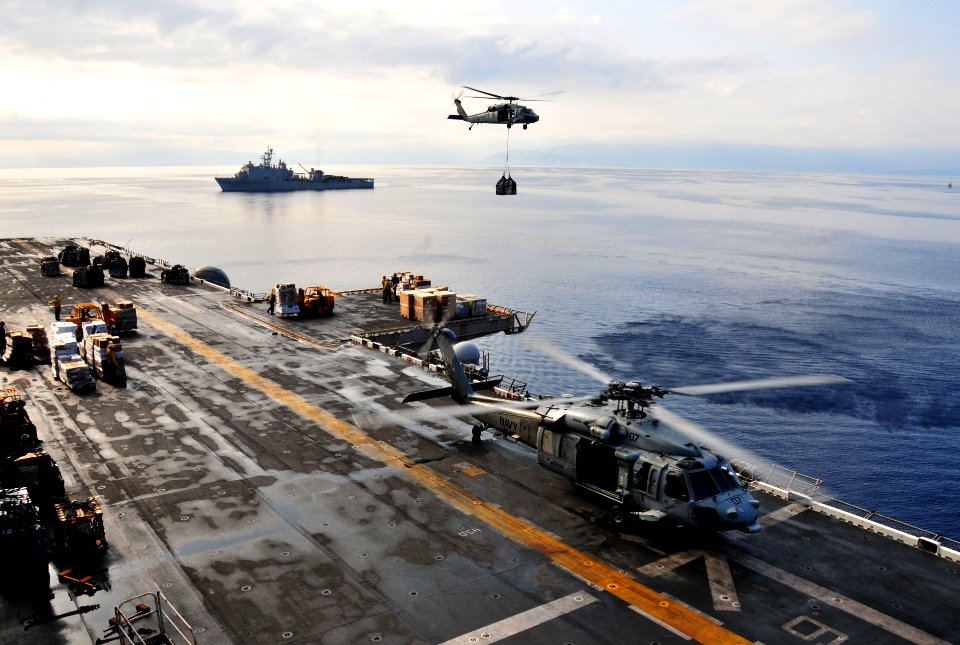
461 389
461 114
449 390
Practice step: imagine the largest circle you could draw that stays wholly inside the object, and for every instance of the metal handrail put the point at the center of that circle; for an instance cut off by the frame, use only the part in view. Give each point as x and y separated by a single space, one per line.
808 486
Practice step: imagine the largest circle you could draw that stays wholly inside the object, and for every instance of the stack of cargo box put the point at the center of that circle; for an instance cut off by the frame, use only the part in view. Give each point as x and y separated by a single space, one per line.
33 500
470 306
409 281
19 352
62 328
138 267
65 362
104 354
41 347
41 475
428 305
49 267
406 303
79 527
21 537
424 306
76 374
17 432
446 305
90 328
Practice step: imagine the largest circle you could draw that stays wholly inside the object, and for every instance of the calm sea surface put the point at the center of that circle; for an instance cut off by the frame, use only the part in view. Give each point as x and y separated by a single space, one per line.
667 277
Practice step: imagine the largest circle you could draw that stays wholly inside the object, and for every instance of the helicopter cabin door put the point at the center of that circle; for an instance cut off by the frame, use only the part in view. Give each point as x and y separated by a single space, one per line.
650 483
597 466
557 451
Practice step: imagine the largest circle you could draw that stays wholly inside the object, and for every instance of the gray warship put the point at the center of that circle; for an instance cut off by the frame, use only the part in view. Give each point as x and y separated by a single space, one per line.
266 177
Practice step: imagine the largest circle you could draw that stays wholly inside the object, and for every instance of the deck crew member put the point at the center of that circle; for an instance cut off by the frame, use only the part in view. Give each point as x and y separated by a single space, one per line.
57 301
386 284
271 302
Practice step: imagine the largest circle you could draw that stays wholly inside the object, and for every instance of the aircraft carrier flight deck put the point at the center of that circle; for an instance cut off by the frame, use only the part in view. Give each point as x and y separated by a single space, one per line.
273 489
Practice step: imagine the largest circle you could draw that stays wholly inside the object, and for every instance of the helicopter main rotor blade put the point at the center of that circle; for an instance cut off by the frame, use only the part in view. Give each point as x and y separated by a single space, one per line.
704 437
483 404
561 356
536 97
760 384
496 96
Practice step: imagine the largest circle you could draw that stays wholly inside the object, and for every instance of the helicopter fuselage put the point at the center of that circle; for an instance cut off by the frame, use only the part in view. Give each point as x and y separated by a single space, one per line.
610 447
501 113
640 468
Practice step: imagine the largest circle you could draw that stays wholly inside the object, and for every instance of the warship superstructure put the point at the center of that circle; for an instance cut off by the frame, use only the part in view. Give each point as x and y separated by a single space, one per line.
267 177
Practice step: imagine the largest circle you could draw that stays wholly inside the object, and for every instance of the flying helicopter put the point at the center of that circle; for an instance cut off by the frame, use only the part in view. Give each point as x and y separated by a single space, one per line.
646 462
509 113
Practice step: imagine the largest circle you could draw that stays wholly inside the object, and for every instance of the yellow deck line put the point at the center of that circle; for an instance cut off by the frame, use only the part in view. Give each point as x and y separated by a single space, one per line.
677 616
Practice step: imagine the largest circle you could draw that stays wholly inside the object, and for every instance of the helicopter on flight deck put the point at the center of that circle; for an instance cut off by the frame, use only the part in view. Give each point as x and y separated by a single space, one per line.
646 462
508 113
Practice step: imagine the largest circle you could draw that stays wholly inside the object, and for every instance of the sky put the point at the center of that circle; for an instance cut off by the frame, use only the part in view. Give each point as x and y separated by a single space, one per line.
778 84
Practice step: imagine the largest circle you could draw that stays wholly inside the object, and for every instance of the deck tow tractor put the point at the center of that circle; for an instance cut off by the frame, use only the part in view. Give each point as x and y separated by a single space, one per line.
315 301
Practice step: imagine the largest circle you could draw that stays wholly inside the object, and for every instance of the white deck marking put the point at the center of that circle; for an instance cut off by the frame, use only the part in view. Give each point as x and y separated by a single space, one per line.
669 563
661 623
781 514
719 576
837 601
721 583
526 620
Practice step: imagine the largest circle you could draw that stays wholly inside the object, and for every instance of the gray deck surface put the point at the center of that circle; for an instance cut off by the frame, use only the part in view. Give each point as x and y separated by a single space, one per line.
225 485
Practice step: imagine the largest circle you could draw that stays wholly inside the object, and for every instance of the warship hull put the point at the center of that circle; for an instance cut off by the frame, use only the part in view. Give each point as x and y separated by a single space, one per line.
267 177
264 476
234 185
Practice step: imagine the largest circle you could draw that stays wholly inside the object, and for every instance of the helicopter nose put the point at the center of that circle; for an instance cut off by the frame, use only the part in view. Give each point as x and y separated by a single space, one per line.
744 516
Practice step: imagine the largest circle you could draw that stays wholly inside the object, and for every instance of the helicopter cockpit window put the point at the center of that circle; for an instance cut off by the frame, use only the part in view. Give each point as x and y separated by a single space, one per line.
703 485
676 487
725 478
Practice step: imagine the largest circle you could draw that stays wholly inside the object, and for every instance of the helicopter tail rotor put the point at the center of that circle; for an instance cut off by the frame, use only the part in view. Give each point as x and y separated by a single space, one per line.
461 114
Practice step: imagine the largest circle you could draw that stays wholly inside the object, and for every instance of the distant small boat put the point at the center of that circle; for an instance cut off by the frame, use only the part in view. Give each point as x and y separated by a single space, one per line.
266 177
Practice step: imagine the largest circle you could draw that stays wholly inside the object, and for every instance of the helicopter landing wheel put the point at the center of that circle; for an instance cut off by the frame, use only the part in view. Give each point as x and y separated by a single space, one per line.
477 431
617 515
524 126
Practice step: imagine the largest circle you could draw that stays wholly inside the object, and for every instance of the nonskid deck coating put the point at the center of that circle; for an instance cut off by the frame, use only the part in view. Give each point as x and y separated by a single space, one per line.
235 486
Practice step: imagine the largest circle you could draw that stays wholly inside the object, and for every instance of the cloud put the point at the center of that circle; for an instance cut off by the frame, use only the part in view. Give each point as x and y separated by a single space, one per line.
213 76
800 23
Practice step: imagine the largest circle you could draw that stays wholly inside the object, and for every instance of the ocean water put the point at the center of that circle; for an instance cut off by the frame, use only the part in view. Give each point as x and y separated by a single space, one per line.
667 277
